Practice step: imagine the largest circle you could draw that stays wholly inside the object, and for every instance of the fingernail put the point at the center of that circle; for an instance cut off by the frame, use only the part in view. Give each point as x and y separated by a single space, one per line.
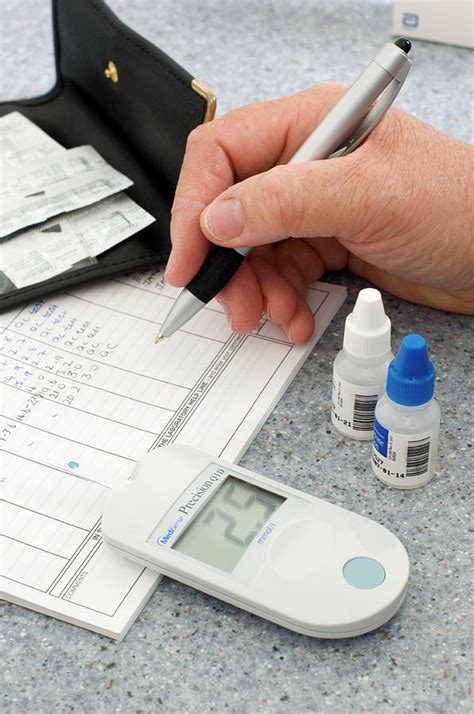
224 219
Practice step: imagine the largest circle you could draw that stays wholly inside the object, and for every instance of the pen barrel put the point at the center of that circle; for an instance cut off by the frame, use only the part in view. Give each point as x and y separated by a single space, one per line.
347 114
218 268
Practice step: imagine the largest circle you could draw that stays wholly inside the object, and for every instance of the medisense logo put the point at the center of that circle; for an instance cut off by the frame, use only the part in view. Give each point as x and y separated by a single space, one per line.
171 531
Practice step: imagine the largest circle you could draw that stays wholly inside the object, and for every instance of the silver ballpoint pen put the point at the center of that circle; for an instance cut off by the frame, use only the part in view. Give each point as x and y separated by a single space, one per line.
343 129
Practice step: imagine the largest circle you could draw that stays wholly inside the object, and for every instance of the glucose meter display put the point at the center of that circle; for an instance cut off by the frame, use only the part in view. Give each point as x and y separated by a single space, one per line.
221 533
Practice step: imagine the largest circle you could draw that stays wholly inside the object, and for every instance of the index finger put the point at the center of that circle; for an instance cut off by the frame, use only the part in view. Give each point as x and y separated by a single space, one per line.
244 142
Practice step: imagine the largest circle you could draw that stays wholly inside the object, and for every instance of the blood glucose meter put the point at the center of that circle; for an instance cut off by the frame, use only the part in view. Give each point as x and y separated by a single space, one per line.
258 544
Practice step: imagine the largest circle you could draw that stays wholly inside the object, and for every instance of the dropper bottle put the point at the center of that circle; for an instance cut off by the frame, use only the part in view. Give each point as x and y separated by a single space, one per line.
360 368
407 419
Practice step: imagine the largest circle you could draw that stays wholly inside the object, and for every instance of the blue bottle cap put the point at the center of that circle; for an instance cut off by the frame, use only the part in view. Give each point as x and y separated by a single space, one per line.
411 375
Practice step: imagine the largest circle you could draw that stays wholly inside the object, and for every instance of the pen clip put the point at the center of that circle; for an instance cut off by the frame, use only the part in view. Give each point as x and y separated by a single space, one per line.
375 114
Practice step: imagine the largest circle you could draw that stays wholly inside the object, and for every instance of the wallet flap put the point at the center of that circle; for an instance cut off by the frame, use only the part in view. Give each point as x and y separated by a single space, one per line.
142 95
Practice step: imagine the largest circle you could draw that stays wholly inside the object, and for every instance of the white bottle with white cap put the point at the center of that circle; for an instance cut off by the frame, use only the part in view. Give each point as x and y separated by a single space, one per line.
360 368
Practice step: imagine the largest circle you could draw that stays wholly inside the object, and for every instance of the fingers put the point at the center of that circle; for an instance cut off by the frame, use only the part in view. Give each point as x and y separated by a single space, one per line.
244 142
258 287
279 295
300 328
242 300
284 294
330 252
285 288
322 198
299 263
274 280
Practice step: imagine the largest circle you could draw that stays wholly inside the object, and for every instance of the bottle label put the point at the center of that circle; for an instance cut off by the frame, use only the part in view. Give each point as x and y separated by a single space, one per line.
401 460
353 407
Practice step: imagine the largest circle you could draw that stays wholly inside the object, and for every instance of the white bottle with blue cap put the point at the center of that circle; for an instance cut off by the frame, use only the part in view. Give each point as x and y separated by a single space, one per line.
407 419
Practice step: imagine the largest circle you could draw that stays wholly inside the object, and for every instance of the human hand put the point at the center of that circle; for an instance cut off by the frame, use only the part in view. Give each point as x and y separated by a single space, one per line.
397 211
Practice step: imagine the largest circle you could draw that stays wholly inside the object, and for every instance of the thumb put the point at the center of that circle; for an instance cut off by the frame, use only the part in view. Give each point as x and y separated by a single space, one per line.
317 198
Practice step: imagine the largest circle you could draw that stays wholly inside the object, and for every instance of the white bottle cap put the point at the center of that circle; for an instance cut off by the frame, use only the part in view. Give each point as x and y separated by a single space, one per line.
367 331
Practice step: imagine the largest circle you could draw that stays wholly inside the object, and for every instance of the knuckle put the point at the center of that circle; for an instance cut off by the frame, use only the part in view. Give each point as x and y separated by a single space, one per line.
332 89
326 89
327 94
196 136
229 123
288 198
302 187
277 201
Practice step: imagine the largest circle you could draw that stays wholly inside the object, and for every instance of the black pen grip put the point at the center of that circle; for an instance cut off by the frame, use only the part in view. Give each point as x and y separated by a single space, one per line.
214 274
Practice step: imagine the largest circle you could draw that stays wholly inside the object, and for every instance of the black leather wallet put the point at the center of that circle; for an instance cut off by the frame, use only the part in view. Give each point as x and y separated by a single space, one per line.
135 106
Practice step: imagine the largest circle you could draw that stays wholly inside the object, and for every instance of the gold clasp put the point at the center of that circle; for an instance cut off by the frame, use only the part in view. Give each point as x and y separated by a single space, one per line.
111 72
206 93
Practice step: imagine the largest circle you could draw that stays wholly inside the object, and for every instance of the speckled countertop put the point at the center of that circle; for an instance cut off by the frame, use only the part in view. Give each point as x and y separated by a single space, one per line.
189 652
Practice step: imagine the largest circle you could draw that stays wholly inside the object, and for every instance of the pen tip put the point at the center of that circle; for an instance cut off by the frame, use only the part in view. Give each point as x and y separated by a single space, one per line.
158 338
404 44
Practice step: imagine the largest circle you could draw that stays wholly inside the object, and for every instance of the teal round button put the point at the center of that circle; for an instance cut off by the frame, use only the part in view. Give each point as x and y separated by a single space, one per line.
364 573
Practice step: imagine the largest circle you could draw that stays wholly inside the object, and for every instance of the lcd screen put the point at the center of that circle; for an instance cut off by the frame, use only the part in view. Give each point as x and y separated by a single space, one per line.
223 530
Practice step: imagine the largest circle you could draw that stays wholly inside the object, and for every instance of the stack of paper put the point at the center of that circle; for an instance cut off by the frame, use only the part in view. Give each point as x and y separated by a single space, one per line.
86 391
41 179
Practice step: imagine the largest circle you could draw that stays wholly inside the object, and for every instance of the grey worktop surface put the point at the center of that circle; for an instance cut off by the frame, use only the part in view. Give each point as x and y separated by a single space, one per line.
191 652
